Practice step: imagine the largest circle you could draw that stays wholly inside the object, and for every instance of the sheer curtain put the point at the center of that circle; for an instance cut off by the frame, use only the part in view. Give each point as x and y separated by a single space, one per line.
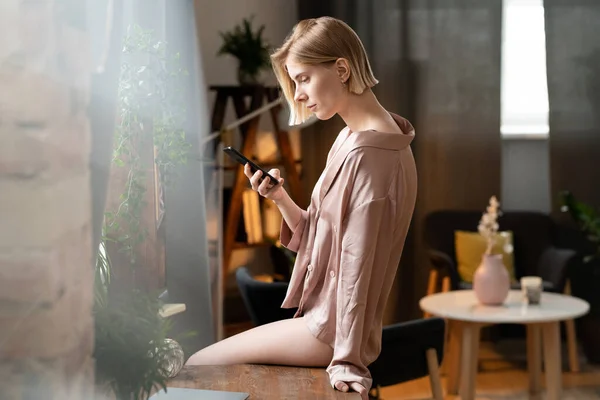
186 252
105 21
188 256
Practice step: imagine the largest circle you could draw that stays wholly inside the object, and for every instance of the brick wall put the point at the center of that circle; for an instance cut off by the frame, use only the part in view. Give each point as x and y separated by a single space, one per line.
46 277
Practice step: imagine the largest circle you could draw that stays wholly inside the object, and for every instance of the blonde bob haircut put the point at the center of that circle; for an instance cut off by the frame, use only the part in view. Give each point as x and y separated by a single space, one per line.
321 41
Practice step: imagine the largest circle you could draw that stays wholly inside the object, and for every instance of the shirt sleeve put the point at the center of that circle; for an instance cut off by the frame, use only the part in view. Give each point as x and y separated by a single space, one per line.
291 238
359 245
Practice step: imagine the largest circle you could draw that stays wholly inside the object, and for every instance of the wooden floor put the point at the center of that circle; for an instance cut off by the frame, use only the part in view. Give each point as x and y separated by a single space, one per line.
503 375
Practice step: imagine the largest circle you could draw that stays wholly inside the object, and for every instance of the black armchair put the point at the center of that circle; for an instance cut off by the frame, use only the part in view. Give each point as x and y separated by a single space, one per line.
409 350
262 299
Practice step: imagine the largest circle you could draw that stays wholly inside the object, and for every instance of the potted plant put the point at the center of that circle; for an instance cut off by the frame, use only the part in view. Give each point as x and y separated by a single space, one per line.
249 47
133 355
585 275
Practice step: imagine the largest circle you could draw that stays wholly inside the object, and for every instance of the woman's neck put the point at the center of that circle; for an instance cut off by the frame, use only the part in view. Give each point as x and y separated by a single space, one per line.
362 112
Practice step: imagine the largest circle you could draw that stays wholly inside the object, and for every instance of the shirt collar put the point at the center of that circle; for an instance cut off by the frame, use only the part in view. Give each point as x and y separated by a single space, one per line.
386 140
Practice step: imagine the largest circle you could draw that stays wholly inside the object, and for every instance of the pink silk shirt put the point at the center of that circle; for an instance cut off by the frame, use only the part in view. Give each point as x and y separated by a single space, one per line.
349 242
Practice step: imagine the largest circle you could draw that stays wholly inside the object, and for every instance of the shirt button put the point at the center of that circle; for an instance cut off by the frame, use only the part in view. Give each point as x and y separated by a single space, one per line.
310 268
332 274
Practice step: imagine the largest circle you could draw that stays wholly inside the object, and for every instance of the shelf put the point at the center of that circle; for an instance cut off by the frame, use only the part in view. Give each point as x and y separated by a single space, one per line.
235 316
168 310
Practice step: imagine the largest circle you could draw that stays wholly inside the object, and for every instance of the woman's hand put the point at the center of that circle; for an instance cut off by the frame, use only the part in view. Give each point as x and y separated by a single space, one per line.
357 387
266 188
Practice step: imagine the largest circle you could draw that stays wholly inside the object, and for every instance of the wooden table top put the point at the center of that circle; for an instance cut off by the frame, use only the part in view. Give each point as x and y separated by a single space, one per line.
262 382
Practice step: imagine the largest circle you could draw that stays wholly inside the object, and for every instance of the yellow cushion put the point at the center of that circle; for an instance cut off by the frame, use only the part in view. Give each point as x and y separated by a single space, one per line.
470 246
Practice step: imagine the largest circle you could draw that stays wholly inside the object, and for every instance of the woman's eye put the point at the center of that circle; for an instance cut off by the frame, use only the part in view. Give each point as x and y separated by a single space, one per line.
304 80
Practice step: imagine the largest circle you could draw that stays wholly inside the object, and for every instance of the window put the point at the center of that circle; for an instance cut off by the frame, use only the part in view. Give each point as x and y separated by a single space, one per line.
524 90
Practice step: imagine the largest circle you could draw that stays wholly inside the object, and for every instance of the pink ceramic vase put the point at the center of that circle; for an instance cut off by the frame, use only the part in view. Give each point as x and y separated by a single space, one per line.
491 282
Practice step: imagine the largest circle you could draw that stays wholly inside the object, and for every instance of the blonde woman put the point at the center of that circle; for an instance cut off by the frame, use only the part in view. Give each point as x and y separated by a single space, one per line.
350 239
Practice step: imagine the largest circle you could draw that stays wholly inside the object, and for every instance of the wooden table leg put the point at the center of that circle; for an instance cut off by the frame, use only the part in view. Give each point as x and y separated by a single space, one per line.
434 374
572 345
534 358
452 356
470 353
552 360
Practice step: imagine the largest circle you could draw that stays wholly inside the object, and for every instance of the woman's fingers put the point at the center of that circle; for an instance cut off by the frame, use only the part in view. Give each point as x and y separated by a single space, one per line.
255 180
275 173
264 186
341 386
357 387
253 177
247 171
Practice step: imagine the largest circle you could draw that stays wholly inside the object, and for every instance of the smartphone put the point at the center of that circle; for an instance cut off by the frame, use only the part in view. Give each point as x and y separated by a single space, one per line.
239 157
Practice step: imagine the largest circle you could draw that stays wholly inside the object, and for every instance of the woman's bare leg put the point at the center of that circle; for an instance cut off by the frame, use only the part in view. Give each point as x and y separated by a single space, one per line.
286 342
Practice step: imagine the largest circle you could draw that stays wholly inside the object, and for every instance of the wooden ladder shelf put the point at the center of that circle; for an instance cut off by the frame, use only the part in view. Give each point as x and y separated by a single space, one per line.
248 131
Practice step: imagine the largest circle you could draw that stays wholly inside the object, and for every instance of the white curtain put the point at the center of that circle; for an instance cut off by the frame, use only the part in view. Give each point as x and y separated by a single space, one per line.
191 202
188 256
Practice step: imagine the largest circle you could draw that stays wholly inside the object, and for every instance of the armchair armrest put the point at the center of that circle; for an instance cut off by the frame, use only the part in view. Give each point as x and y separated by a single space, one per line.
445 266
553 266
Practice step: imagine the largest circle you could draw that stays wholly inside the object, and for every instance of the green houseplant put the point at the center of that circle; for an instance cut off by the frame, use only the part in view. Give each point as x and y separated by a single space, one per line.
133 355
585 276
250 49
130 345
149 135
588 220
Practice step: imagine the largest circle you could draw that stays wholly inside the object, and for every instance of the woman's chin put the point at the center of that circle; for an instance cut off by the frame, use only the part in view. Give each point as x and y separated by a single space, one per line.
322 115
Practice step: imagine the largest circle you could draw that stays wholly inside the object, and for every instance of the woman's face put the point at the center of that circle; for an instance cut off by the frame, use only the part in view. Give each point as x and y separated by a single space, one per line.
319 87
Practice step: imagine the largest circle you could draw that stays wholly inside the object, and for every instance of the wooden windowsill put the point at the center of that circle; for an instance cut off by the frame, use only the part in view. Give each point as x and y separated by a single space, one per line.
170 309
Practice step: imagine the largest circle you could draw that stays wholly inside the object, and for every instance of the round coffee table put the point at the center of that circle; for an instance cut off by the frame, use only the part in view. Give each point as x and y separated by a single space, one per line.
466 317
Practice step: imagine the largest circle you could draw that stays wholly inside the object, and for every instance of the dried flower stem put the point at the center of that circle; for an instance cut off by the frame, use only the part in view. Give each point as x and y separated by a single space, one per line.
488 225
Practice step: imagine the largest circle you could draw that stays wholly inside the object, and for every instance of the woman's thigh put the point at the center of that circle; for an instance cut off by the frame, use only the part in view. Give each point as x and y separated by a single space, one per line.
286 342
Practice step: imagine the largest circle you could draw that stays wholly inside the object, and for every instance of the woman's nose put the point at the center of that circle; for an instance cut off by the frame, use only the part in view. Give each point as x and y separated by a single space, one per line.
299 96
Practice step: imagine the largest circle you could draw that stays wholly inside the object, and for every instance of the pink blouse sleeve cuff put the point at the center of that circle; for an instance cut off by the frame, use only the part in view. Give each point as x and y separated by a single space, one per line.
291 239
349 374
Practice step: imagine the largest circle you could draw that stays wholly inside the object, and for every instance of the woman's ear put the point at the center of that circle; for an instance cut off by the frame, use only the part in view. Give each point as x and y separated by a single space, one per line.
343 69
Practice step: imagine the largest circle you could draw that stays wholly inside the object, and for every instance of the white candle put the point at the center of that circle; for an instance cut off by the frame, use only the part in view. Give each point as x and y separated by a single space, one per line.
532 287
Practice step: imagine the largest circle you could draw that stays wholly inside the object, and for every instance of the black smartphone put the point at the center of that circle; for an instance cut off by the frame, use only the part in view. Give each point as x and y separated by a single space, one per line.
239 157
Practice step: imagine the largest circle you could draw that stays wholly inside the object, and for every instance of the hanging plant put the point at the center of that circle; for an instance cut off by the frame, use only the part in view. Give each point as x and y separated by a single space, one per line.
151 115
